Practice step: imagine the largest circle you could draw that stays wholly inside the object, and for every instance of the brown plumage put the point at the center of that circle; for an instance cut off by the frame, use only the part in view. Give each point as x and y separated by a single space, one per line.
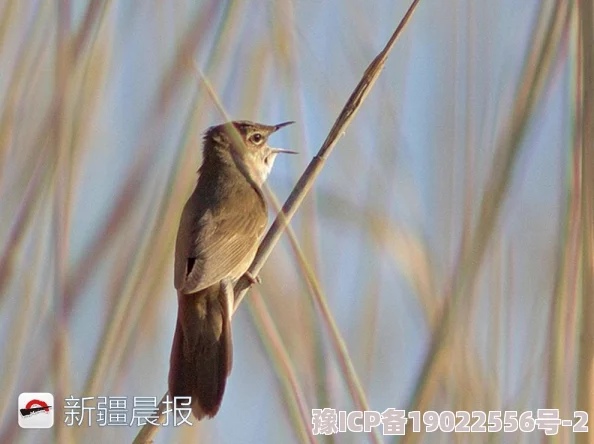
218 237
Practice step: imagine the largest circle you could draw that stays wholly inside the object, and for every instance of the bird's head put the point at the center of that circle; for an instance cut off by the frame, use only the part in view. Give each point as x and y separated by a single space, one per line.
248 143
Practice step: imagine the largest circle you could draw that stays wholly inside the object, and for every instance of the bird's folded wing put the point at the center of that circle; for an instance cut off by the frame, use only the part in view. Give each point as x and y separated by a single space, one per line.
216 246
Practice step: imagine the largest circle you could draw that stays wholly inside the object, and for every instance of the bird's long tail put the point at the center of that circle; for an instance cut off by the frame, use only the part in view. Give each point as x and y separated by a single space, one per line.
202 353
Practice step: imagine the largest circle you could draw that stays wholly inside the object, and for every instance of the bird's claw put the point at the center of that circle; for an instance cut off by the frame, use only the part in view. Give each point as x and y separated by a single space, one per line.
253 279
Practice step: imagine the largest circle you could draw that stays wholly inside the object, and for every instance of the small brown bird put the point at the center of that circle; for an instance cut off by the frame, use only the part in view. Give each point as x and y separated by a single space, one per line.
219 232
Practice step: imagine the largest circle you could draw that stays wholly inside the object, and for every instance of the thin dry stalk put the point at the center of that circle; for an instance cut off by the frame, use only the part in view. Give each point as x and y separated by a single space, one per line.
342 354
585 392
563 328
61 211
280 357
93 16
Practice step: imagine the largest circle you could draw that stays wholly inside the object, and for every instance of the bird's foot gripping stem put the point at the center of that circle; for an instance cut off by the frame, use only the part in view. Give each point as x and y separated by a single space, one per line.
253 279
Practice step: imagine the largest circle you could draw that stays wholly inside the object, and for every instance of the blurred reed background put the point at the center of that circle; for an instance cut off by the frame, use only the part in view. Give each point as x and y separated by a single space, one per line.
442 261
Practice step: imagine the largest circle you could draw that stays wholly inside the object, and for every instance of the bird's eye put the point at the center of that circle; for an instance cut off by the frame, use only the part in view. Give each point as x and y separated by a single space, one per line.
256 138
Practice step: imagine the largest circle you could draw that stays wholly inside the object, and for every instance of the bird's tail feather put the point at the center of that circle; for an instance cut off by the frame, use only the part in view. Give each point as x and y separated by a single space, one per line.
201 356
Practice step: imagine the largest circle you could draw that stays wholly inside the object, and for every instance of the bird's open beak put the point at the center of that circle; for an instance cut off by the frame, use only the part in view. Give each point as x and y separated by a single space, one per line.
282 125
281 150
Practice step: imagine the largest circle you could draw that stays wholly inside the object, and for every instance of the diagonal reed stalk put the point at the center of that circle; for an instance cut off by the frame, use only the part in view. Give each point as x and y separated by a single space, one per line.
305 183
